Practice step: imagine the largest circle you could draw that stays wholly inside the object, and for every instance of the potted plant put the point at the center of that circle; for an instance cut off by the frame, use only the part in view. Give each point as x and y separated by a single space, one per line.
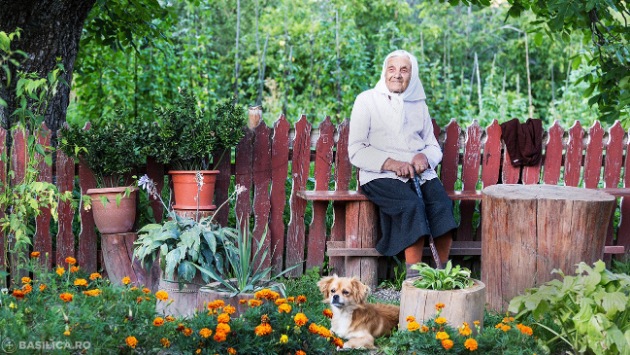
452 285
185 139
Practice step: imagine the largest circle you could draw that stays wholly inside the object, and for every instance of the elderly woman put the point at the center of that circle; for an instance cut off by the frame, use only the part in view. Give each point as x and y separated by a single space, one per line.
391 140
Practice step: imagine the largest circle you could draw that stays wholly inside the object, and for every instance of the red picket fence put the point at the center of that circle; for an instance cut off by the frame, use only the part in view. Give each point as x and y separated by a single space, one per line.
269 157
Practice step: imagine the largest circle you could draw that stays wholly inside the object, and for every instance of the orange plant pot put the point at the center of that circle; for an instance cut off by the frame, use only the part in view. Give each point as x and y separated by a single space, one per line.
109 215
186 192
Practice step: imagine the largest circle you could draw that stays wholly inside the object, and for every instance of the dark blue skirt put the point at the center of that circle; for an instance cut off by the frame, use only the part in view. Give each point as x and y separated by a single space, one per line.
404 216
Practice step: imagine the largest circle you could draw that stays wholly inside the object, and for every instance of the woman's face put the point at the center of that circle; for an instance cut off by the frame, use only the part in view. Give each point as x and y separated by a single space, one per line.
398 74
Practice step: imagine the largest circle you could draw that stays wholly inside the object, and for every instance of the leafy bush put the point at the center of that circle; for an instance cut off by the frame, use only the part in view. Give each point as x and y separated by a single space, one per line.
449 278
591 310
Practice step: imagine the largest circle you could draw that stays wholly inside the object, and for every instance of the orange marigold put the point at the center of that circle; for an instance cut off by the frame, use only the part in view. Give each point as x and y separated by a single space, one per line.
413 325
440 320
223 318
328 313
131 341
424 329
266 294
165 343
158 321
263 329
471 344
146 290
254 303
229 309
74 268
291 299
42 287
71 261
300 352
505 327
205 332
95 275
231 351
93 293
525 329
324 332
439 306
26 280
81 282
187 332
410 318
27 288
447 344
338 342
313 328
35 254
19 294
66 297
219 337
285 307
242 301
300 319
126 280
508 319
170 318
60 270
216 304
301 299
161 295
224 328
441 335
280 301
465 330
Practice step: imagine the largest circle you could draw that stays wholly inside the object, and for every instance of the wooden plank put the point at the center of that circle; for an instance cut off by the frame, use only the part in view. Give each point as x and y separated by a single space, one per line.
262 180
4 185
87 253
470 178
243 176
343 174
323 163
327 195
155 171
338 249
299 171
491 159
573 160
450 158
613 163
222 159
65 182
552 159
42 238
594 153
19 162
280 167
623 233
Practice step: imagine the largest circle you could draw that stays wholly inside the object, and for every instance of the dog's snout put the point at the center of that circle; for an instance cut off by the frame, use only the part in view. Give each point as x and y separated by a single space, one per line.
335 298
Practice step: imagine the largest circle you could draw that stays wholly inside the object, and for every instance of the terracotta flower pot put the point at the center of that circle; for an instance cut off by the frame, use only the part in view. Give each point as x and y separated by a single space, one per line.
187 194
110 215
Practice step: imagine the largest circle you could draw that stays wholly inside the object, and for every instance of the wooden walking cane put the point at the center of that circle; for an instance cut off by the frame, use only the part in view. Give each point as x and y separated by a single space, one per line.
436 256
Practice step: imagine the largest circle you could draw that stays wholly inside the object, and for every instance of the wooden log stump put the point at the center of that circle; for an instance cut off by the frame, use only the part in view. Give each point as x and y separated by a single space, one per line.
119 262
529 230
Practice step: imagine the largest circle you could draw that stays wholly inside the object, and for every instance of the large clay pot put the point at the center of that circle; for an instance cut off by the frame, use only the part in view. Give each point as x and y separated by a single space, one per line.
186 192
111 215
209 293
465 305
182 297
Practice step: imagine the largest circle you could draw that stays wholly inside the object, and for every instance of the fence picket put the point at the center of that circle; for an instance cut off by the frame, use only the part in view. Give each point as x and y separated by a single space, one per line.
593 158
42 239
553 155
65 182
262 180
573 156
279 171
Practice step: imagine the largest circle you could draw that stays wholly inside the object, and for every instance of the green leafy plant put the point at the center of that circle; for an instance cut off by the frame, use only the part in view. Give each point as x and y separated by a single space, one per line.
591 310
449 278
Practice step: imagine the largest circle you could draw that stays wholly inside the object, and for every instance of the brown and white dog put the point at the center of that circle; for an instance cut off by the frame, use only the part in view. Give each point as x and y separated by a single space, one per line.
353 318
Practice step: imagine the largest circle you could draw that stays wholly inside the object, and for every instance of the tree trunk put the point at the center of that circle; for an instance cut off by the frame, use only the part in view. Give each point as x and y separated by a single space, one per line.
51 29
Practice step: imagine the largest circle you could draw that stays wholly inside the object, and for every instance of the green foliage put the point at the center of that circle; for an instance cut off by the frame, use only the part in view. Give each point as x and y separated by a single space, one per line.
449 278
399 276
8 57
592 309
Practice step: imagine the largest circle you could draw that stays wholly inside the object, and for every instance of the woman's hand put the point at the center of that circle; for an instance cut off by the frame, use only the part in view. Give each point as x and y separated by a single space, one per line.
420 163
401 168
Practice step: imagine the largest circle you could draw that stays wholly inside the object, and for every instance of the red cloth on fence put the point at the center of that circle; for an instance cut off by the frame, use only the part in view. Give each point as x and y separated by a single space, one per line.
523 141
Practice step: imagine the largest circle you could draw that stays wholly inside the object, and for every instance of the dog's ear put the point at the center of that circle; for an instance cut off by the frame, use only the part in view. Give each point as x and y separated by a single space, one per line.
360 291
324 285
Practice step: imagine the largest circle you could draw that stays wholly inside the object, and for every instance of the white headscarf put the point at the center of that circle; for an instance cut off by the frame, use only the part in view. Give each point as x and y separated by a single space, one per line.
414 91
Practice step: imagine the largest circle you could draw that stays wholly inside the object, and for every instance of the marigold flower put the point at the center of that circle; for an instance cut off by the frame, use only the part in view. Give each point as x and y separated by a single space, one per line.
216 304
266 294
198 351
139 299
441 335
81 282
300 352
439 306
126 280
133 288
223 318
476 323
60 270
242 301
158 321
413 325
219 337
66 297
231 351
95 275
301 299
170 318
229 309
284 339
505 327
328 313
205 332
471 344
300 319
440 320
180 327
324 332
42 287
254 303
74 268
35 254
447 344
27 288
131 341
411 319
19 294
26 280
70 260
224 328
338 342
146 290
525 329
187 332
161 295
67 332
291 299
165 343
465 330
264 318
285 307
263 329
280 301
92 293
508 319
424 329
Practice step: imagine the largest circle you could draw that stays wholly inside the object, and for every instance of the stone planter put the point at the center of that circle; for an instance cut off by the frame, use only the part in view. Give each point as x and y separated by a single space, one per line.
209 293
182 297
465 305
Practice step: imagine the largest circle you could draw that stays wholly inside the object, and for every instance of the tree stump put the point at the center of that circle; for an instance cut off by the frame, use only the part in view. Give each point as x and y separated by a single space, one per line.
530 230
119 261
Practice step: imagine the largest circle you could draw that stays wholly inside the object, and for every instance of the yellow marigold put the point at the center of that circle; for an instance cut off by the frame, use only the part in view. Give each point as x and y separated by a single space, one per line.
187 332
95 275
280 301
440 320
465 330
284 339
126 280
328 313
300 352
254 303
161 295
131 341
67 332
42 287
229 309
301 299
146 290
476 323
216 304
165 343
19 294
26 280
71 261
447 344
338 342
285 307
424 329
471 344
205 332
27 288
224 328
411 319
263 329
231 351
93 293
439 306
291 299
158 321
74 268
525 329
324 332
66 297
170 318
81 282
505 327
223 318
60 270
413 325
219 337
35 254
441 335
133 288
300 319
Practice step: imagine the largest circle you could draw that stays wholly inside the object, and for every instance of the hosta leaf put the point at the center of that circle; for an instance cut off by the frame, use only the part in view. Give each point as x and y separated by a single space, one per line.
186 270
614 302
